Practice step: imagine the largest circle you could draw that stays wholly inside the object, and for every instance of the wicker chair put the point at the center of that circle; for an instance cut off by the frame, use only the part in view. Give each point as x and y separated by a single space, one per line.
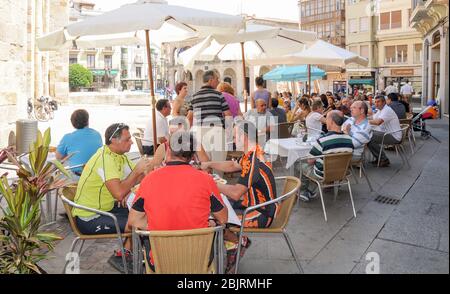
279 223
335 174
410 132
67 198
399 148
184 251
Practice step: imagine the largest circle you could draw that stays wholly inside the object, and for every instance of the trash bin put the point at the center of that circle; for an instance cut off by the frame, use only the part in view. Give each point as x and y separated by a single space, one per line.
26 134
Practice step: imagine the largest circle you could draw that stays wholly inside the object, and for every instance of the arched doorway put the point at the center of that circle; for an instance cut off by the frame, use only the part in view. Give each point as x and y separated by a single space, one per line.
229 76
198 82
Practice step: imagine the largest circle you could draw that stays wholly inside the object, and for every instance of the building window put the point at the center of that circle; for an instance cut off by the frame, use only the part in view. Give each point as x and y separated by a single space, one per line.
108 61
91 61
363 24
364 51
353 25
353 49
418 53
402 54
73 59
391 20
396 54
396 19
138 72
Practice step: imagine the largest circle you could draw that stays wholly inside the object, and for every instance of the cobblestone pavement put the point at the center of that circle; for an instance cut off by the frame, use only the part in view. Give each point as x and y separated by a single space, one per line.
410 237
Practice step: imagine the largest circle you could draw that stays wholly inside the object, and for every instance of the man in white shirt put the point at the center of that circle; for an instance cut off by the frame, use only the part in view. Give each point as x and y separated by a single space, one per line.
262 119
162 127
391 89
406 90
385 120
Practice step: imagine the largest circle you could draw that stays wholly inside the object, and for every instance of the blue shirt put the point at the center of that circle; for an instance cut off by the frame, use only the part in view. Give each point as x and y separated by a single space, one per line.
83 143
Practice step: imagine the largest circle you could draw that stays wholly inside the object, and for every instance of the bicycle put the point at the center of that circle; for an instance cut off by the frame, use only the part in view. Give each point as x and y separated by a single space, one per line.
44 110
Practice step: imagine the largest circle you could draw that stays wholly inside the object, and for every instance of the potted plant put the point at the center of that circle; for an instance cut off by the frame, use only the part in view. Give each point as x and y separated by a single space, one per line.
21 237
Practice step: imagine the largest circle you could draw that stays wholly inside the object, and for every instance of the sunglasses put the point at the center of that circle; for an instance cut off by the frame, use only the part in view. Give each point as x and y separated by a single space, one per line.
118 128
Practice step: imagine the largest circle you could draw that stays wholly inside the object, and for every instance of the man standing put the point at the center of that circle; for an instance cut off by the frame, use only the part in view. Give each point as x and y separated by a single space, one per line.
397 107
162 127
82 143
407 90
207 115
262 119
358 128
334 141
385 120
391 88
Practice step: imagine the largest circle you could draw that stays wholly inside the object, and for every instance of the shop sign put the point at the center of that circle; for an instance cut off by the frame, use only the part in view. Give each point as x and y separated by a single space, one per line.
402 72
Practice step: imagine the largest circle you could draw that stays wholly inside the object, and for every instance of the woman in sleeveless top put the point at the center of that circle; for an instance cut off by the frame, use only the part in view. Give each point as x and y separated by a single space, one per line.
180 106
260 93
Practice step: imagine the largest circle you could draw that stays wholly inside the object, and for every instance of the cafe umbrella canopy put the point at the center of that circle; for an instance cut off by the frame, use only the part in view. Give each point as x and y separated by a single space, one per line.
167 23
319 52
255 41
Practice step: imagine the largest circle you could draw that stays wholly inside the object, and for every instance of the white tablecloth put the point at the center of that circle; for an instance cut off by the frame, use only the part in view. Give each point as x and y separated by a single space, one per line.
292 148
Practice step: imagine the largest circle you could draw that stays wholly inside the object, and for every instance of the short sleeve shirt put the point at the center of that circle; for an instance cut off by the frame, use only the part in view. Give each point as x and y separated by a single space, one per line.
258 177
391 122
313 124
178 197
162 129
92 192
208 106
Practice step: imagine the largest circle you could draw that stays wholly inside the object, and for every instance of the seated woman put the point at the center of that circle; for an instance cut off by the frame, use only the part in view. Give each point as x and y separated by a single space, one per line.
162 153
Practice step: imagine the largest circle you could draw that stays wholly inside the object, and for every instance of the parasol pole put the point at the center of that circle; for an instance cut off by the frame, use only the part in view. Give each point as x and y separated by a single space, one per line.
243 76
152 90
309 79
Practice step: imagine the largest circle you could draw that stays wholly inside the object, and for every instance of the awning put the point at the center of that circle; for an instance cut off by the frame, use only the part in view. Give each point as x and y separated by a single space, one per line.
362 82
102 72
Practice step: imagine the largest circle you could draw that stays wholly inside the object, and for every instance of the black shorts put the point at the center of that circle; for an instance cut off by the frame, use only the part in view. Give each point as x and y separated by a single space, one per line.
104 224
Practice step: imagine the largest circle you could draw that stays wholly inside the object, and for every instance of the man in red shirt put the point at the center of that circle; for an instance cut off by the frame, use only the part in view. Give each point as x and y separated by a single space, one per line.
177 196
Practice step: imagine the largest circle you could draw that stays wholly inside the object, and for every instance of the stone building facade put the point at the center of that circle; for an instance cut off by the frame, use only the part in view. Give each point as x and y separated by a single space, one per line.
229 70
26 72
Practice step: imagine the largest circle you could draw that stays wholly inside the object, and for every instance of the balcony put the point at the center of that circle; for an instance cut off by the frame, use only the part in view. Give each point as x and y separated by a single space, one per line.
426 14
108 50
90 50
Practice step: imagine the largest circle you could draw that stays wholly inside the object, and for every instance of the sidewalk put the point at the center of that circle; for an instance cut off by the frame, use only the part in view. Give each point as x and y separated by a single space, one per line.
411 237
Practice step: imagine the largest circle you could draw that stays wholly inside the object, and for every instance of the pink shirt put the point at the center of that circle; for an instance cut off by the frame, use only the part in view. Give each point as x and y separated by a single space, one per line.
233 103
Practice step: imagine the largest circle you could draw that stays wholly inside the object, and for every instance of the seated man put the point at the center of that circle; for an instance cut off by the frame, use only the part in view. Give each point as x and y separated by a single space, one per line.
256 185
278 112
82 143
262 119
163 110
358 128
397 107
335 141
106 183
185 205
385 120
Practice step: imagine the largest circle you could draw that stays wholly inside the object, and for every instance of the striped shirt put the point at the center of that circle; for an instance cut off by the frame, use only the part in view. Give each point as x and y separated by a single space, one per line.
361 134
329 143
208 106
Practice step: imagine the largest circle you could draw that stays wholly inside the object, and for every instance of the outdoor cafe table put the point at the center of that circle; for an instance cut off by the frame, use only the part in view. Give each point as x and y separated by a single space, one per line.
292 148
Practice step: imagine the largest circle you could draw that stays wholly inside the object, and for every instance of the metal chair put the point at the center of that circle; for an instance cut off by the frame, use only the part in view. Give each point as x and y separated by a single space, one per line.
335 174
359 163
279 223
410 133
185 251
399 148
67 198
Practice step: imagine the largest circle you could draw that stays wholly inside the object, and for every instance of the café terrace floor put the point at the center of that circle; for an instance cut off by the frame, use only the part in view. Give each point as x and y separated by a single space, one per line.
410 237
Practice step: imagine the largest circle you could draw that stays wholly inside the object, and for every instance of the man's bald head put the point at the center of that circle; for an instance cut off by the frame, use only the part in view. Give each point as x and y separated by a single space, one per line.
335 119
261 105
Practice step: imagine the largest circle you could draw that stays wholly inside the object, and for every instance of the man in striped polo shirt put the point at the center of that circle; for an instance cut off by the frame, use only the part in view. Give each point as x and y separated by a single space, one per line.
335 141
207 115
358 128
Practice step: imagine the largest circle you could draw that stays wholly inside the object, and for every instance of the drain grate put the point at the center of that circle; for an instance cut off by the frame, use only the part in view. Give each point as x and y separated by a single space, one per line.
387 200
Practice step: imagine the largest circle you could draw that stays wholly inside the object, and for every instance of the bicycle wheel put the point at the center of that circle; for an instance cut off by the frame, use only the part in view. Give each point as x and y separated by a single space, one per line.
40 113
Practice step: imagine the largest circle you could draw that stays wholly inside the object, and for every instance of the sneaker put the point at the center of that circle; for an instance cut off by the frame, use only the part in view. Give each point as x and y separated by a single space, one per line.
116 262
305 196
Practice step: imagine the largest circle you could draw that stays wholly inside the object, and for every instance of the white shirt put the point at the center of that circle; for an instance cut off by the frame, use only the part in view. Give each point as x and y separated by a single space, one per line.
261 121
313 124
162 129
406 89
390 89
391 122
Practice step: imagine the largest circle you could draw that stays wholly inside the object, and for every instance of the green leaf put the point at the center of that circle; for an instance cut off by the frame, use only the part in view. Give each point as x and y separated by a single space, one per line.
61 168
